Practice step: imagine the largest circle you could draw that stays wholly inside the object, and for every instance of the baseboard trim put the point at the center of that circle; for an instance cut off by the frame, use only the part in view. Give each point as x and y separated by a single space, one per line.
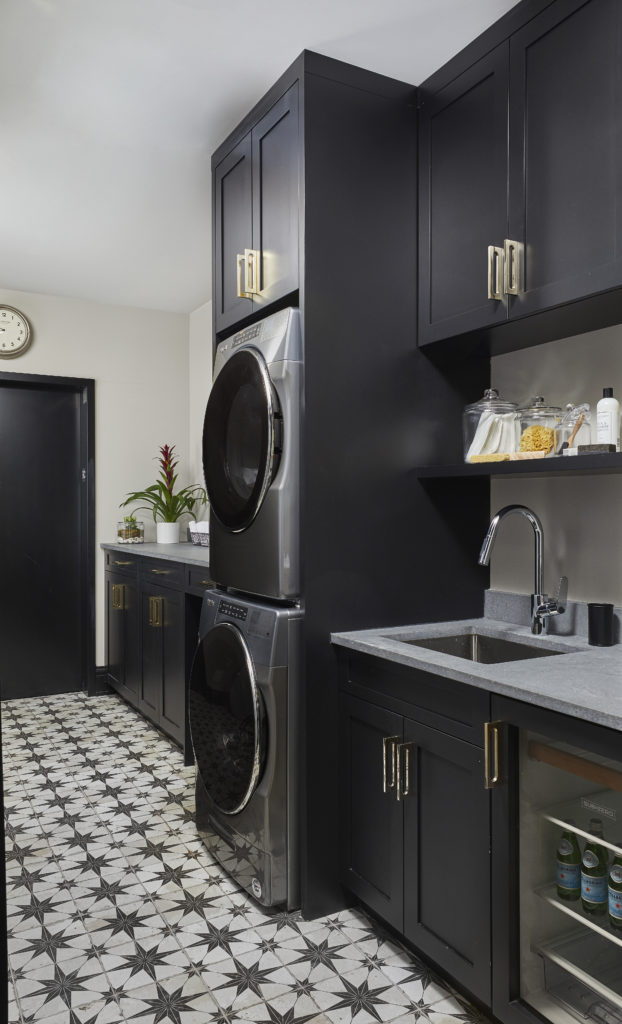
101 687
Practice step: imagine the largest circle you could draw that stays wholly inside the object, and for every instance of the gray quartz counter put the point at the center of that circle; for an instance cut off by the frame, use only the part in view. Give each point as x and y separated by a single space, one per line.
188 554
582 681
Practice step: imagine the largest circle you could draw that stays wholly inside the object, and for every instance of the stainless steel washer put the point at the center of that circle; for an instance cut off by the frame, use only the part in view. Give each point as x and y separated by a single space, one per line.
243 722
251 458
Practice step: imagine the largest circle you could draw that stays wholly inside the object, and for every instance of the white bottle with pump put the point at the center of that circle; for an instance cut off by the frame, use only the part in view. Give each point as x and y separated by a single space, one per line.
608 419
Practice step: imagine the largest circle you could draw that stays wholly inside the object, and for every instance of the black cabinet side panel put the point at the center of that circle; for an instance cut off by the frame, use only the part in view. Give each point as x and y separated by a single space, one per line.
375 549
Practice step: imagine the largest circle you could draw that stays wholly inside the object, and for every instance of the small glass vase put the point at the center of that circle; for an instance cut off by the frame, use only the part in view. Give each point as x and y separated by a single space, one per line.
130 533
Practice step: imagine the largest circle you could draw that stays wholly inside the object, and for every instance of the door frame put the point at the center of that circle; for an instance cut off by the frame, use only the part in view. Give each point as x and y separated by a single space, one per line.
85 387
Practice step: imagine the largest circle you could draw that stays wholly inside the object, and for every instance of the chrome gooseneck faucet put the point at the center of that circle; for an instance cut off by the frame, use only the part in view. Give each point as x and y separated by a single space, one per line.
542 606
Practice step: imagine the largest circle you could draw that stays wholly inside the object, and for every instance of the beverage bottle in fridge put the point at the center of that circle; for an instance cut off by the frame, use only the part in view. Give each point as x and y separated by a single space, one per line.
594 872
615 889
568 865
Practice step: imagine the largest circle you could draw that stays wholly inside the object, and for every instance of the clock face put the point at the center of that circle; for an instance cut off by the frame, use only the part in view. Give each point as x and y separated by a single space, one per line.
14 332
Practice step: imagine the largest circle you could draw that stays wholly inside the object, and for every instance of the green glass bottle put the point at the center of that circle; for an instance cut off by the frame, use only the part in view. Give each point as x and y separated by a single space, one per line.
568 865
615 889
594 872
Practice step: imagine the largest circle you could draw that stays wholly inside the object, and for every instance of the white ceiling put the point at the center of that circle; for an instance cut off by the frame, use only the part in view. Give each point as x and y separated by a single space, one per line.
110 109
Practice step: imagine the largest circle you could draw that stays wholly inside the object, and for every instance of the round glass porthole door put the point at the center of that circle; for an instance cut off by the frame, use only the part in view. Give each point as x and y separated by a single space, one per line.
240 450
227 718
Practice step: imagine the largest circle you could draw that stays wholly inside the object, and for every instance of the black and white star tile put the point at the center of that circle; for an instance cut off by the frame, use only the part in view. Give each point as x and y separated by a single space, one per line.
117 912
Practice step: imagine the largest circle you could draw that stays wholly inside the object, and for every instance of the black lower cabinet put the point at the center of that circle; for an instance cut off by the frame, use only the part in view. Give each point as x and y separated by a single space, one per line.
150 638
122 634
416 836
163 646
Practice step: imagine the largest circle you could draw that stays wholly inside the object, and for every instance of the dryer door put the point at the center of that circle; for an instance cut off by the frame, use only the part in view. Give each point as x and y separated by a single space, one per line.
227 718
241 439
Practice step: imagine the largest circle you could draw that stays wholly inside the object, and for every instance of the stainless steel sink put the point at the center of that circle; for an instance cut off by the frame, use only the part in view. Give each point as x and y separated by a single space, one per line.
487 650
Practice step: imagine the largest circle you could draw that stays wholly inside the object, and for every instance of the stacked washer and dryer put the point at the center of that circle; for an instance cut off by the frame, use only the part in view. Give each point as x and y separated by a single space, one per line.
243 694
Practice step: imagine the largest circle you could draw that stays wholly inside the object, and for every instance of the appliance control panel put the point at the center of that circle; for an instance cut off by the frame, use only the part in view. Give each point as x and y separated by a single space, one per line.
242 337
234 611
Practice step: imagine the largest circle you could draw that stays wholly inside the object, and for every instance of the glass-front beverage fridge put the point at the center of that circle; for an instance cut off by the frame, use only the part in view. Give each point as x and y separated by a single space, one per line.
556 867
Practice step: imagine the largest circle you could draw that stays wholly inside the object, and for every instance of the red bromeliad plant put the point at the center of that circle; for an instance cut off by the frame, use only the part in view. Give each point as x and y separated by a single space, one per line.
160 499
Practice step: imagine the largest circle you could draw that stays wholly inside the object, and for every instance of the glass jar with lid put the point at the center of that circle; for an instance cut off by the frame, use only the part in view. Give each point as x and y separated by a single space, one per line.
576 426
539 427
489 427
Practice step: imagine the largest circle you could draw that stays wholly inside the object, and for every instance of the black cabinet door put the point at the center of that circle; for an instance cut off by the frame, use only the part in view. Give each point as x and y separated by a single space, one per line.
447 854
463 171
152 634
566 152
233 232
371 836
173 701
275 198
122 634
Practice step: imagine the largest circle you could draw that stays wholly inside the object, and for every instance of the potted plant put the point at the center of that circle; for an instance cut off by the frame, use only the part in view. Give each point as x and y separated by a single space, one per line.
130 531
165 504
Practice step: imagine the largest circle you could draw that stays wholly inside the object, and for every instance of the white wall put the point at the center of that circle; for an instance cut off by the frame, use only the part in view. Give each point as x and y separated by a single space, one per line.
199 383
139 361
581 515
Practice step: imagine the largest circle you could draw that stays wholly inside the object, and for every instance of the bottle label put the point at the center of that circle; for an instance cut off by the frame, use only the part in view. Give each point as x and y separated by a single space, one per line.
568 876
590 859
615 904
564 848
615 875
593 890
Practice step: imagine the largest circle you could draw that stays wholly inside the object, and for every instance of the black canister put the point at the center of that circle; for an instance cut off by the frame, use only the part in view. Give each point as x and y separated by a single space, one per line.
600 624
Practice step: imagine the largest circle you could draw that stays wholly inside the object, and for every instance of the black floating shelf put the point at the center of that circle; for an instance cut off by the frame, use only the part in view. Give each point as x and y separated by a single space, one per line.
573 464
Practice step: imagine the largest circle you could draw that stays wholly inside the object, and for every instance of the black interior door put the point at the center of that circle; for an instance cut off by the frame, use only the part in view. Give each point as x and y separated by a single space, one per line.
463 168
45 597
566 152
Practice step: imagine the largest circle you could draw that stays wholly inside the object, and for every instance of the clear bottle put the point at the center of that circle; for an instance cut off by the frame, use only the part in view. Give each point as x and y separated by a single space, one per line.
615 889
594 872
608 419
568 865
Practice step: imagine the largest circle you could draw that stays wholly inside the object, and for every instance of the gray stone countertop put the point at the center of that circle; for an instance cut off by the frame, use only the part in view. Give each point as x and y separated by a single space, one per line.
584 681
188 554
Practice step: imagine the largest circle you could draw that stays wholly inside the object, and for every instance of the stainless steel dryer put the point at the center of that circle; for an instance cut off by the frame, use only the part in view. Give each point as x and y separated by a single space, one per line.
243 722
251 458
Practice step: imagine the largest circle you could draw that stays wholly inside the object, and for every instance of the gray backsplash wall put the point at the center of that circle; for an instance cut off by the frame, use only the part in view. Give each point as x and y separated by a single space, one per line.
581 515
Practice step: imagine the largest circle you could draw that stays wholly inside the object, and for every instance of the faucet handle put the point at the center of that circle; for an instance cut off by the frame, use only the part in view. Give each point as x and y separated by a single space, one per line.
561 597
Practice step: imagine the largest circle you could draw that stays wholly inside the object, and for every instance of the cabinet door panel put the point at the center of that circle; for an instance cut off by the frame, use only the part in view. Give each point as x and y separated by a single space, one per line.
122 634
233 231
566 152
275 198
447 856
152 658
371 850
174 682
463 198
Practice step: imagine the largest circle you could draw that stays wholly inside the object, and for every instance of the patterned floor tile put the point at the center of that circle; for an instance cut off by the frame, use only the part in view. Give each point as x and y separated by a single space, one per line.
117 911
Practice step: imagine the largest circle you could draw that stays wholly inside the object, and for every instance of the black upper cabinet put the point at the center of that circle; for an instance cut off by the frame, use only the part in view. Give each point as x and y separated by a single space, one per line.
566 153
463 154
256 188
522 153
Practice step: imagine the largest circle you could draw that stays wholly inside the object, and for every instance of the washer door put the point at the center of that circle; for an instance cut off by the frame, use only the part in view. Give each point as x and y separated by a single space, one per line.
227 718
241 439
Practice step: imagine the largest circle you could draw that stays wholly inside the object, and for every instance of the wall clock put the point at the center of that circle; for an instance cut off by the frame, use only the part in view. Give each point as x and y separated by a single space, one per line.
15 333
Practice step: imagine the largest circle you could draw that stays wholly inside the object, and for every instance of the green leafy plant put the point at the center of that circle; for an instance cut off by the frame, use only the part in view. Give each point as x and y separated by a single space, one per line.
160 498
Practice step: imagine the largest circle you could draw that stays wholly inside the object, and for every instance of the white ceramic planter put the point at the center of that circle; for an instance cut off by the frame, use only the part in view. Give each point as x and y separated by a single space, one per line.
167 533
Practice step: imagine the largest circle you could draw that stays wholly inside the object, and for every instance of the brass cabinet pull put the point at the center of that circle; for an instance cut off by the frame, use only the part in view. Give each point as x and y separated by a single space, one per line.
403 790
116 562
118 596
162 572
512 258
155 612
386 740
205 583
251 262
239 261
495 272
492 743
